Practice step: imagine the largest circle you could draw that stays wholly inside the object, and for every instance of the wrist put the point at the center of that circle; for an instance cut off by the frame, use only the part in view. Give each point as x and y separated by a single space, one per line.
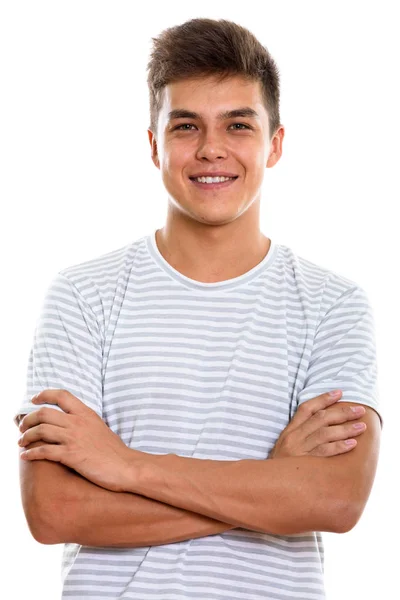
136 463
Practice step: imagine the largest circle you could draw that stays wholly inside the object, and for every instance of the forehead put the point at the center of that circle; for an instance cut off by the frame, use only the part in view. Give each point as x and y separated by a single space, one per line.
209 95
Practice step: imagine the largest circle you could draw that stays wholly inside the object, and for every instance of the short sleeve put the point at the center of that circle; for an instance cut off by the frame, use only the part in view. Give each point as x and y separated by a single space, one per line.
66 351
344 353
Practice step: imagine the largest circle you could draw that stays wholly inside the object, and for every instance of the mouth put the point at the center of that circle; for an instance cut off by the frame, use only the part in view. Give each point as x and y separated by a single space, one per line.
213 186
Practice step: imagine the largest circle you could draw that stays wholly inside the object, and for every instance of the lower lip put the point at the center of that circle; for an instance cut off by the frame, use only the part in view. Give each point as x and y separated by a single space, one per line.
213 186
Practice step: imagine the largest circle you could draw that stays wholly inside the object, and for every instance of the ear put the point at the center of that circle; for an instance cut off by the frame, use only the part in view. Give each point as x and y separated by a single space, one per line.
154 150
276 147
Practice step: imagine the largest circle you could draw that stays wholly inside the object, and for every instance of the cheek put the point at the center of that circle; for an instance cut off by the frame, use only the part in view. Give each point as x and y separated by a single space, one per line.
176 160
259 162
249 153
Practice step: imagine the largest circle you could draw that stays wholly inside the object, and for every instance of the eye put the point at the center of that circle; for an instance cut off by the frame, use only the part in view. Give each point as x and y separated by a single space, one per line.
241 125
184 125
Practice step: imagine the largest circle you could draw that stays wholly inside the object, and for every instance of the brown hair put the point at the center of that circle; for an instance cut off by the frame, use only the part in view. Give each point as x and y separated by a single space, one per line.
202 47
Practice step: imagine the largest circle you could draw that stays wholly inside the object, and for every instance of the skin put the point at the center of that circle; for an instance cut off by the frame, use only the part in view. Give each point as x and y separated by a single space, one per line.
203 227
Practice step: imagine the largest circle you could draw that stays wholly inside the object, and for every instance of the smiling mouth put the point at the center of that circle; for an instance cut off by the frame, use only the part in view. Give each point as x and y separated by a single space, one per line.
213 186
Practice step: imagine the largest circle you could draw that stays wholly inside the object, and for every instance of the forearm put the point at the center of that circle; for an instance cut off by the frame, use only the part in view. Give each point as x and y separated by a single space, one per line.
282 496
104 518
61 506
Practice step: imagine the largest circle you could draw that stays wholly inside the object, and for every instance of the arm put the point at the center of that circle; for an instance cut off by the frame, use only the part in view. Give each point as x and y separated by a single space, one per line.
62 506
283 496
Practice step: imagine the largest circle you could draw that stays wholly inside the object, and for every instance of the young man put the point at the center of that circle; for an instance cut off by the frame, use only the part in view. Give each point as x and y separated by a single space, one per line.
179 363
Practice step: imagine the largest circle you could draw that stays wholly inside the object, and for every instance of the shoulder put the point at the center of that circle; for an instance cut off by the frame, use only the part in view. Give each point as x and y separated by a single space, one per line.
321 286
101 269
95 287
98 281
311 271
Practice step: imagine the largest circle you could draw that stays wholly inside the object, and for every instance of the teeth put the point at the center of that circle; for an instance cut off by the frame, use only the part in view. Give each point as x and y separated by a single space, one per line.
212 179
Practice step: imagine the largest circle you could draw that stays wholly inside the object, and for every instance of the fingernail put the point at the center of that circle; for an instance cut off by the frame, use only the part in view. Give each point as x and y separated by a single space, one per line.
335 393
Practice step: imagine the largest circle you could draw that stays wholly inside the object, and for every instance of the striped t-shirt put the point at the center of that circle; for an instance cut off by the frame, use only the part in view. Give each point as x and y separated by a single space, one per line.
202 370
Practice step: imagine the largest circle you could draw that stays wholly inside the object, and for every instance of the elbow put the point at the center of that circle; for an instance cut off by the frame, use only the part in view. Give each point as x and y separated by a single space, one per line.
348 517
47 500
44 535
43 527
46 520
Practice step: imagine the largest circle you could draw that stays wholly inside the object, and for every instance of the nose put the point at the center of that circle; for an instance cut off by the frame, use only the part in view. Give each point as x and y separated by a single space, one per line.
211 147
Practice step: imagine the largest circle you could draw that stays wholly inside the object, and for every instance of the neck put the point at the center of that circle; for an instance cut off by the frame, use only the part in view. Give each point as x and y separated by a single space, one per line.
211 253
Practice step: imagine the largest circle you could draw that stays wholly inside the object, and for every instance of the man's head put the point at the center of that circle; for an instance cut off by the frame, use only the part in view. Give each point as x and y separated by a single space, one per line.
200 72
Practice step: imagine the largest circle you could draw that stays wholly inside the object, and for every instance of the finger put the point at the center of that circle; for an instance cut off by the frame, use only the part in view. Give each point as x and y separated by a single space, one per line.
334 448
332 434
341 413
43 415
330 416
62 398
44 432
310 407
45 451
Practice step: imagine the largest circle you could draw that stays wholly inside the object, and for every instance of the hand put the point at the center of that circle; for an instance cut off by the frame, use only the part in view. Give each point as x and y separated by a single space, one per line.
79 439
314 429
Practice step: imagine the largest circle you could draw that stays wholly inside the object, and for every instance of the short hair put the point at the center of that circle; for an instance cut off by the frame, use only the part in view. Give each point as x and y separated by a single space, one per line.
202 47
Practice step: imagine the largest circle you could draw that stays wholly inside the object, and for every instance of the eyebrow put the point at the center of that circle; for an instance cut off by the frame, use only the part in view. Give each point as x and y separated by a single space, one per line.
245 111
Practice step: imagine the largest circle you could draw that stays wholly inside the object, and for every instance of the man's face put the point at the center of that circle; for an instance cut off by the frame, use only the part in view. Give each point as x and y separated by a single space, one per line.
210 142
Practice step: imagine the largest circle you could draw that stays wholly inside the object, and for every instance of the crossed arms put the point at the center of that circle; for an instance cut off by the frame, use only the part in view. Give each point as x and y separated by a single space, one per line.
168 498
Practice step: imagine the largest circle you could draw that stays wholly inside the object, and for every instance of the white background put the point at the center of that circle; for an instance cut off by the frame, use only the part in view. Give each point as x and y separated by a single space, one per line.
77 181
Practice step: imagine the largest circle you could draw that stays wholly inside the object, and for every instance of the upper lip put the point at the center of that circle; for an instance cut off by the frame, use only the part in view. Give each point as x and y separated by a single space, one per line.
213 174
